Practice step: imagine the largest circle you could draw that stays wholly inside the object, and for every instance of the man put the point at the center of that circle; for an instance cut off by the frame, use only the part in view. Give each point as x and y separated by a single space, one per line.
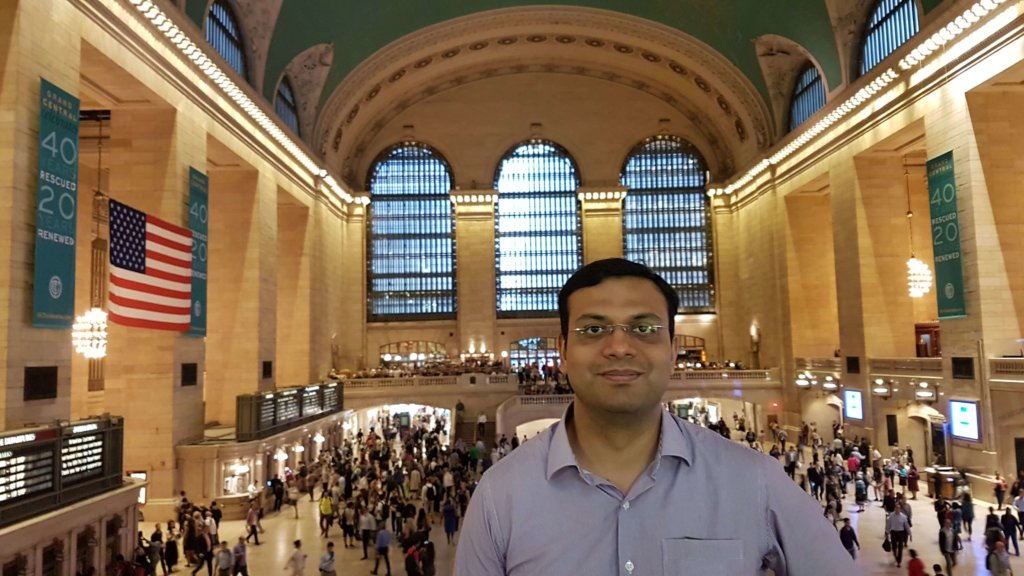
225 560
327 561
383 545
241 560
297 561
998 561
211 526
897 526
252 521
949 544
648 493
1010 525
848 537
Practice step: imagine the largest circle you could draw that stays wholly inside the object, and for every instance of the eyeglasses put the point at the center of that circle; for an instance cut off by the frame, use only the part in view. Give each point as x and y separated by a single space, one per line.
642 331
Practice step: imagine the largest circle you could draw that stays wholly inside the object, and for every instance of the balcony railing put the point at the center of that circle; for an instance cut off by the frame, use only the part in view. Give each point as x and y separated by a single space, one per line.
1006 369
826 364
545 400
409 382
911 367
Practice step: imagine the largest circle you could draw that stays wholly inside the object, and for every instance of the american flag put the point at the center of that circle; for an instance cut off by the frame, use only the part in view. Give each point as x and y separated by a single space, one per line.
150 271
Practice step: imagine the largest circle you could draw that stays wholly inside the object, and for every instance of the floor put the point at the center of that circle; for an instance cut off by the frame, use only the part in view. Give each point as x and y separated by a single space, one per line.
283 528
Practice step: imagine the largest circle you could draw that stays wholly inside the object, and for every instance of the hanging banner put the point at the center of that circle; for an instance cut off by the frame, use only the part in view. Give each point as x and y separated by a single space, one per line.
199 223
949 271
53 295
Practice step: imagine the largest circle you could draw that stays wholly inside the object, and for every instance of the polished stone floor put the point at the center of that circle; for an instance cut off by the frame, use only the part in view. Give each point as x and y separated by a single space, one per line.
282 528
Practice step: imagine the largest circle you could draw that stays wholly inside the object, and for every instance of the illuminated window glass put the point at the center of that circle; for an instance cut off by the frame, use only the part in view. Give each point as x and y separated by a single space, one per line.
808 96
285 105
225 35
537 228
667 218
411 247
892 23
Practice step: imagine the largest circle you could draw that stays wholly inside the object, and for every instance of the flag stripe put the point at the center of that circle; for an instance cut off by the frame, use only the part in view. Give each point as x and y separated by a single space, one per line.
150 272
129 294
137 281
150 306
140 323
169 233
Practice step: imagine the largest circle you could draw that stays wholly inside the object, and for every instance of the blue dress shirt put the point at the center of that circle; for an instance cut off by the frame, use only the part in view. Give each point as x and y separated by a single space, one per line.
704 506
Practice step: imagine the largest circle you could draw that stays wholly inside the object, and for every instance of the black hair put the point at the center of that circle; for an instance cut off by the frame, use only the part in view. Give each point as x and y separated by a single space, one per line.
598 271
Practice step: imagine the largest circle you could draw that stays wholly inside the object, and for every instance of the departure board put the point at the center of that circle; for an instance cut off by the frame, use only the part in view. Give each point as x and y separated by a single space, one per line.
311 401
26 464
288 408
266 411
81 454
44 468
331 399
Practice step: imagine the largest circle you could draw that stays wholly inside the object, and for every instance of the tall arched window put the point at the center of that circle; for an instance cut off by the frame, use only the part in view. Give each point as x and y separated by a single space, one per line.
537 228
225 35
808 96
667 218
892 23
411 251
284 104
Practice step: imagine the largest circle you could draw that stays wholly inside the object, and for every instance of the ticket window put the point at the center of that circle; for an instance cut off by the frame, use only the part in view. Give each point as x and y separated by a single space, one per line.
85 550
237 477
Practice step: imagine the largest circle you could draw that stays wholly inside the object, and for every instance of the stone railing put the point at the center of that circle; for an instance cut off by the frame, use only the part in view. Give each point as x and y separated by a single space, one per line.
1006 369
911 367
544 400
719 375
498 379
827 364
375 383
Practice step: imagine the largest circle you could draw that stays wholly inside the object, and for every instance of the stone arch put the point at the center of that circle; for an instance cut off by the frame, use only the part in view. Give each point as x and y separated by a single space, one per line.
781 60
307 73
257 18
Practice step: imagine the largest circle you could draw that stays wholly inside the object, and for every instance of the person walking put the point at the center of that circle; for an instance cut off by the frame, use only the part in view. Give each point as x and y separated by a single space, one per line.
949 544
367 525
224 560
297 561
383 545
1010 527
326 514
998 560
451 520
327 562
916 566
848 536
898 528
967 511
999 490
252 520
241 558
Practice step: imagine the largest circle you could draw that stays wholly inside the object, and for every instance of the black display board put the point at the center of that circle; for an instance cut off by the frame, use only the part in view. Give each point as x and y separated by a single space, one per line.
44 468
261 415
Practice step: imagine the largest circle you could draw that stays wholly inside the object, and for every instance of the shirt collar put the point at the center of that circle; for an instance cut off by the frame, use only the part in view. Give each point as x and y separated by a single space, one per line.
674 441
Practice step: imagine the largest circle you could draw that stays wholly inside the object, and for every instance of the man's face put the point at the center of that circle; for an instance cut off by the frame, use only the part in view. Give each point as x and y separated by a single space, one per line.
618 373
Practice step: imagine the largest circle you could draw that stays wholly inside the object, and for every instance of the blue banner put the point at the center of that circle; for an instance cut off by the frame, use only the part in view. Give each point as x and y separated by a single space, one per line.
949 270
53 294
199 223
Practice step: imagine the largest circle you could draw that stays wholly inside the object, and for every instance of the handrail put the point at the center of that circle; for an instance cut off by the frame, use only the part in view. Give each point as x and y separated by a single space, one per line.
832 364
1004 367
687 376
917 365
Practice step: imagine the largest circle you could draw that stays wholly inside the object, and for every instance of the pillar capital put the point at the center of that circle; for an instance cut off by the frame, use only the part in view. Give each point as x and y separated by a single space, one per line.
469 203
601 199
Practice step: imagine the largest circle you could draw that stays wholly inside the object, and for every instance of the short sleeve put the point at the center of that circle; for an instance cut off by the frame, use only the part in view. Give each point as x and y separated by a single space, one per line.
479 552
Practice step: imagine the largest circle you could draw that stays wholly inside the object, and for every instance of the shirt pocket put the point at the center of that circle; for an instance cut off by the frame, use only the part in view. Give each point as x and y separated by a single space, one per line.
696 557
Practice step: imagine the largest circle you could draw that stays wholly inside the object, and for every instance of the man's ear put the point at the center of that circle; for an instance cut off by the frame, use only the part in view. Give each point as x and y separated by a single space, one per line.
561 351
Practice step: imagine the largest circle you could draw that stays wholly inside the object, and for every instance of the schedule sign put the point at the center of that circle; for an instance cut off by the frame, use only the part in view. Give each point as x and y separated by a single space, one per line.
81 454
26 465
53 295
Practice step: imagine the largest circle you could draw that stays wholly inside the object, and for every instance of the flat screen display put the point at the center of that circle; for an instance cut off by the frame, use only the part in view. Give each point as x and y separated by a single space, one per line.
853 404
963 416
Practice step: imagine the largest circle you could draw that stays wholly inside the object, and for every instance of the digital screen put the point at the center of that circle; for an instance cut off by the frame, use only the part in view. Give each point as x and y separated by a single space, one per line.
266 413
853 404
287 408
963 418
311 401
331 397
26 470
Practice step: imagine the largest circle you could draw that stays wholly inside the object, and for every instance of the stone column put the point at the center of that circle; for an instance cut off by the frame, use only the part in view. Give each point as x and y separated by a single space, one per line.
327 291
149 171
475 280
602 221
26 55
348 346
294 245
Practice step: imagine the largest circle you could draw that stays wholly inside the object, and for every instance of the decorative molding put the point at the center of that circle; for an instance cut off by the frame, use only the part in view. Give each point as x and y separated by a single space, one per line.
308 73
258 19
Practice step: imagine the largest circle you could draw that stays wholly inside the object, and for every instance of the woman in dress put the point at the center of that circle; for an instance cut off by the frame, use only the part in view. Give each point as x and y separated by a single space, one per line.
171 546
451 520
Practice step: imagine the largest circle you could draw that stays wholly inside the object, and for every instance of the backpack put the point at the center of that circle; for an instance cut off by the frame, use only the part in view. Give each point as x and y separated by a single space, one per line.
431 492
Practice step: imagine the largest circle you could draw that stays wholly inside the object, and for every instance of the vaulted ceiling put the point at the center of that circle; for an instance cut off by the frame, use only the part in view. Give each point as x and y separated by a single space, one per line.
720 70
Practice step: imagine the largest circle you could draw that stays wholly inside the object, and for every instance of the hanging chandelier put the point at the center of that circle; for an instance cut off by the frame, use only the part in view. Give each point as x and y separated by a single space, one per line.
919 275
89 334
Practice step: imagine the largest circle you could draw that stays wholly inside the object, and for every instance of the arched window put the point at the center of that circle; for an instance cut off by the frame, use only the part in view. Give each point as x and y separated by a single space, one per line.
410 252
284 104
225 35
808 96
537 228
892 23
667 218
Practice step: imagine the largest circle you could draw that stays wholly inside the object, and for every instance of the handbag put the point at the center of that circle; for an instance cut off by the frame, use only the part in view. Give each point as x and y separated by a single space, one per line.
886 544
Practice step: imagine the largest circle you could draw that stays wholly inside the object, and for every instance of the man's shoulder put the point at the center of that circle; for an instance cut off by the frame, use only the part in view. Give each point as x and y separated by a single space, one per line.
712 449
523 467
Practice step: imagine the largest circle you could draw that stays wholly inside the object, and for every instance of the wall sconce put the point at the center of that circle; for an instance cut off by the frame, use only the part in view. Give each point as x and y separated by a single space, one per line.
830 383
298 449
281 455
319 438
881 389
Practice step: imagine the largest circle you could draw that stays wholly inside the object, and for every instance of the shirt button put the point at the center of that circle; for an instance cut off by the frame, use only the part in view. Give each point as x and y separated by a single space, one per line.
629 566
625 505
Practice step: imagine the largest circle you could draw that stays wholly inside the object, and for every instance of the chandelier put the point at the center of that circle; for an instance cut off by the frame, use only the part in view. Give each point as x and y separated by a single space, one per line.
89 334
919 275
